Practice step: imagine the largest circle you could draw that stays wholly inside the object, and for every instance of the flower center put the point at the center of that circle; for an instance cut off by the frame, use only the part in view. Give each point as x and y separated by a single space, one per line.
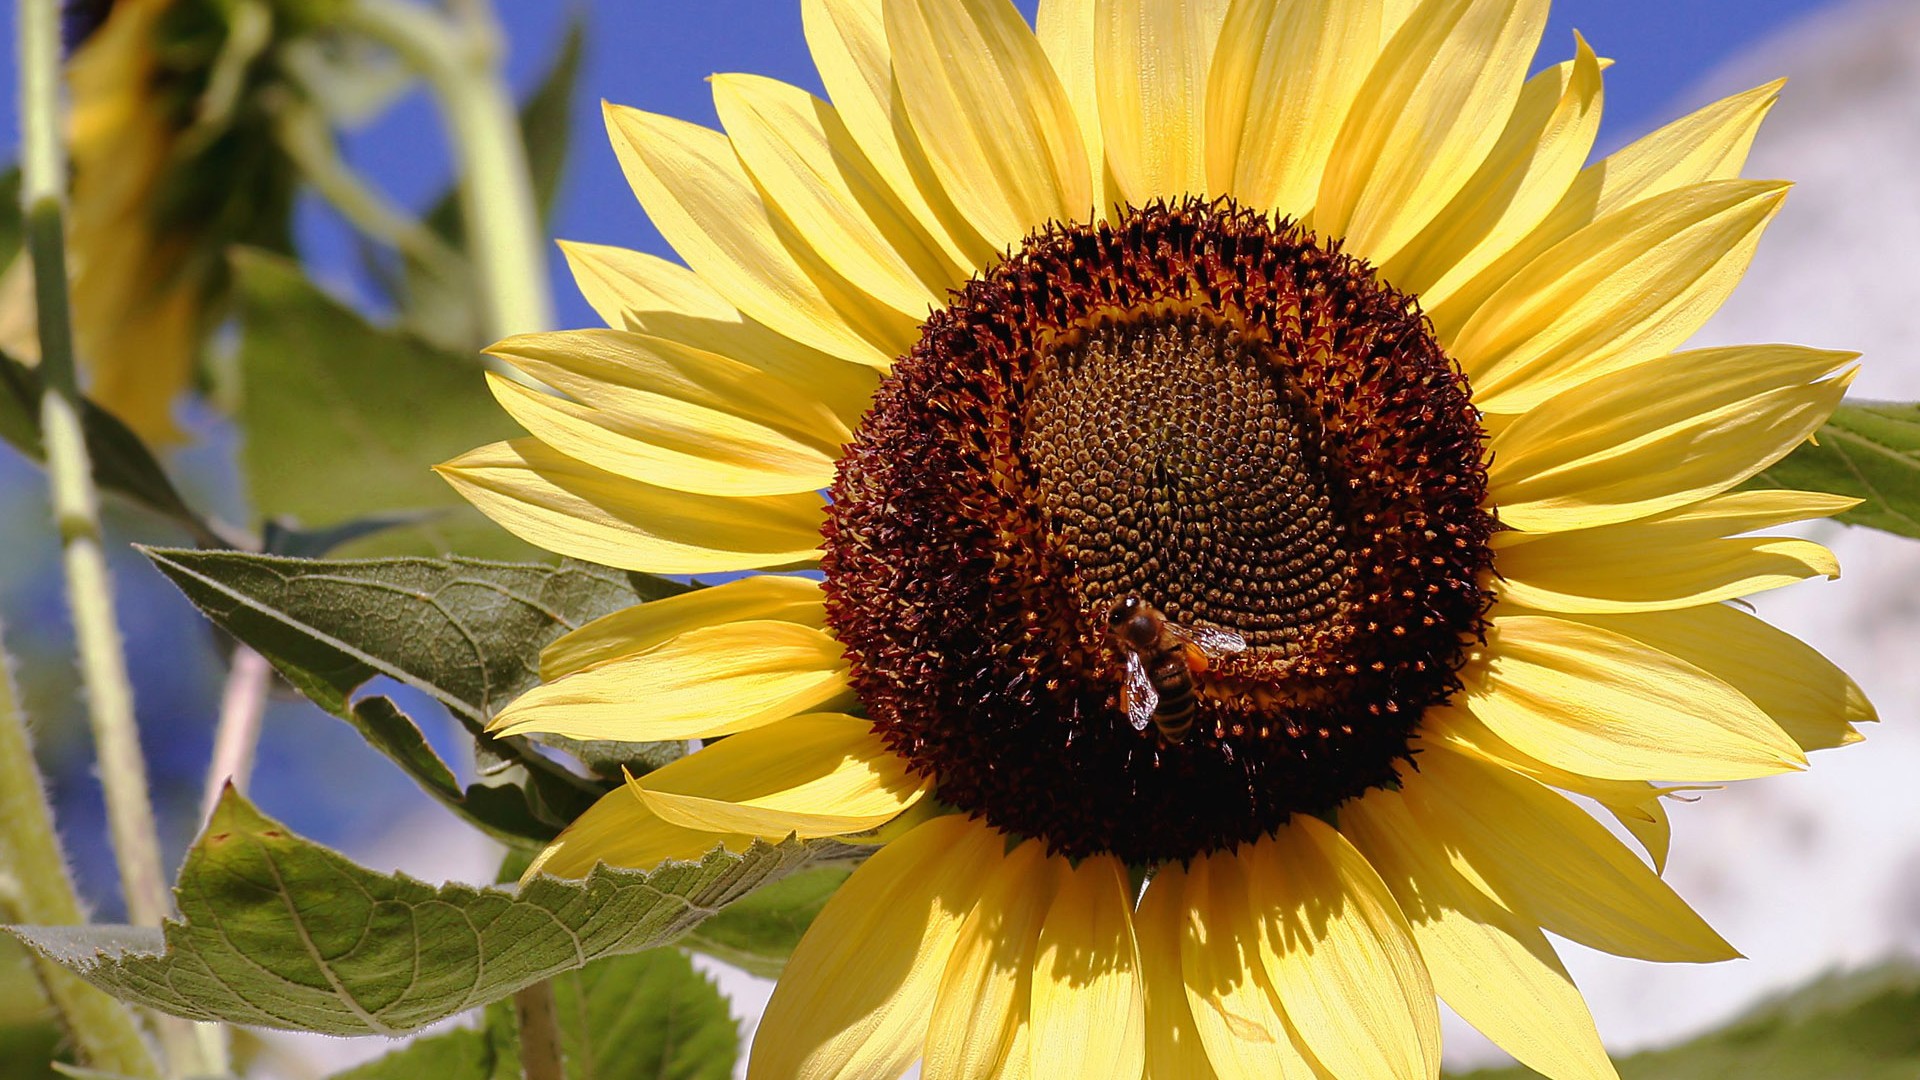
1163 532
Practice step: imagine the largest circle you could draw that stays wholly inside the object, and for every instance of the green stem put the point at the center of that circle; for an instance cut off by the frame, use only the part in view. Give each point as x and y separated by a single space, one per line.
538 1017
102 1030
461 63
76 503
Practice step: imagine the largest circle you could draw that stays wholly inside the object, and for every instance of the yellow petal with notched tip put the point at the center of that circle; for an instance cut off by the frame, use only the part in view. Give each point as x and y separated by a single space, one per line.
1542 149
822 774
571 508
994 120
855 998
1710 144
715 680
1233 1006
641 627
1428 114
1495 968
1595 702
635 291
986 988
1150 73
1545 859
848 40
1660 434
1282 82
1811 699
1627 288
1340 956
1173 1044
696 193
805 160
619 830
1682 558
1067 31
1089 1012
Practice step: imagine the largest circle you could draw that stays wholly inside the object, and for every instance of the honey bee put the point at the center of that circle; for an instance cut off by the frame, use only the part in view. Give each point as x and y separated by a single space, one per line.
1162 659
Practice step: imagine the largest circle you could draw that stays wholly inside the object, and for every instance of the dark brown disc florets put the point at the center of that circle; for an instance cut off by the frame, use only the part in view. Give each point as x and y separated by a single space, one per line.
1201 409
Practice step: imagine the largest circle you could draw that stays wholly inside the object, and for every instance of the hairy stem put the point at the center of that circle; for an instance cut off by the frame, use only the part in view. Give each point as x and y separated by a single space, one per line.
538 1018
242 703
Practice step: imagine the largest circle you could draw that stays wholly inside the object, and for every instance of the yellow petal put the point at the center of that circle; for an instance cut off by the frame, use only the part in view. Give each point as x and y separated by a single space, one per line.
1066 29
1233 1006
1811 699
1681 558
635 291
1496 969
1542 149
1710 144
1150 71
1282 83
823 774
1341 957
1627 288
994 120
813 174
571 508
638 628
1089 1012
1595 702
1552 864
1173 1044
848 40
620 831
856 996
715 680
1660 434
701 200
1428 114
984 993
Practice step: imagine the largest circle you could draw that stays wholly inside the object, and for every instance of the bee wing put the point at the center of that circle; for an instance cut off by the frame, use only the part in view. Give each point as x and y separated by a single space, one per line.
1210 641
1137 695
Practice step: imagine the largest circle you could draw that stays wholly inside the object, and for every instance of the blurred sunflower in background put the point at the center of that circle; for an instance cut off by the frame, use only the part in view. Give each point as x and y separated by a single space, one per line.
1259 485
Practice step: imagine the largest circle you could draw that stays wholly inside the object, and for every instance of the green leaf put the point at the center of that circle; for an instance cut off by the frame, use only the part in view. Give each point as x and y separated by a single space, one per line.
343 420
1860 1025
122 464
489 1052
759 933
277 931
1870 451
10 224
465 632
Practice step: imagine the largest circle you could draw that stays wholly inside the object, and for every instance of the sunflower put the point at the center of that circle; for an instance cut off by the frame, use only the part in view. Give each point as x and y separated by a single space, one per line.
1258 488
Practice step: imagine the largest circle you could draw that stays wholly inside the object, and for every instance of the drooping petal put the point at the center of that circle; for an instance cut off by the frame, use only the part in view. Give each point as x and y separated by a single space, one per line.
1150 70
1627 288
1529 169
986 989
1595 702
822 774
855 998
1710 144
1341 957
698 196
635 629
1496 969
994 120
848 40
1428 114
571 508
711 681
803 157
1233 1005
1173 1043
1544 859
1682 558
1282 83
619 830
1660 434
1811 699
644 293
1089 1011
